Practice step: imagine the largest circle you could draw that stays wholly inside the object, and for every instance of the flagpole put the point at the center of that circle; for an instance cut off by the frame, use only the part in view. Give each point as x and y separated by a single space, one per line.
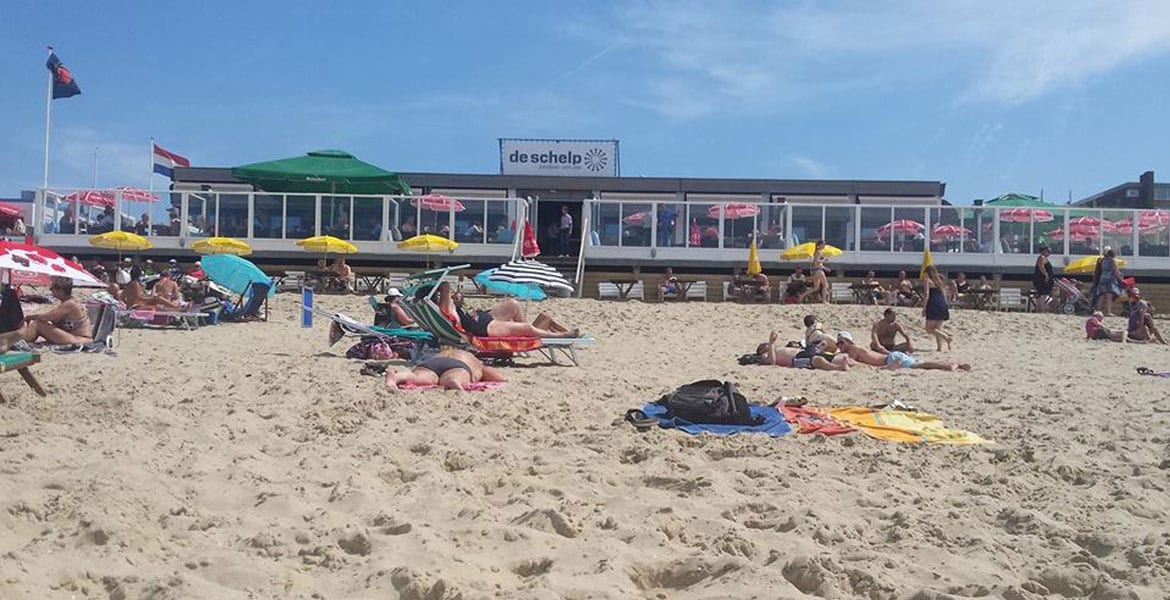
95 165
150 166
48 121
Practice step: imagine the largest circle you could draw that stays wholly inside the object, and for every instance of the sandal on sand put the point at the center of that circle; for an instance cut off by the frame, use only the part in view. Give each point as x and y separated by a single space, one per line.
374 369
1145 371
639 420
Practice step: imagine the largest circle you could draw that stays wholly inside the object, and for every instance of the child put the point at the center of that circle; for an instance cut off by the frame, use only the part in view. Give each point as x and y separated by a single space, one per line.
1095 329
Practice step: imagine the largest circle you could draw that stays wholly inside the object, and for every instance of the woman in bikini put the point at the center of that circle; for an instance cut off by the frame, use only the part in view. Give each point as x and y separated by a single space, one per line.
450 369
68 323
505 319
820 281
134 295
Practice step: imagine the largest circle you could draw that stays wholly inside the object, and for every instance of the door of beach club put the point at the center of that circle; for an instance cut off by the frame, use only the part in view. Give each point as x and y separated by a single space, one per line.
545 215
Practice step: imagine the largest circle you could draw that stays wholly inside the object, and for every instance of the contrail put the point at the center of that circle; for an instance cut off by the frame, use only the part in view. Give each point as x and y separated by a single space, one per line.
582 65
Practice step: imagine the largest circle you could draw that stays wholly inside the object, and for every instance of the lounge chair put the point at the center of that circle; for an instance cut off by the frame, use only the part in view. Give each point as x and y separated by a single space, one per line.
188 319
20 362
427 314
248 309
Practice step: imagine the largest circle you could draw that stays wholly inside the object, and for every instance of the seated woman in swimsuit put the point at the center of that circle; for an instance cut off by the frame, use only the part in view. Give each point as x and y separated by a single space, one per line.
450 369
68 323
505 319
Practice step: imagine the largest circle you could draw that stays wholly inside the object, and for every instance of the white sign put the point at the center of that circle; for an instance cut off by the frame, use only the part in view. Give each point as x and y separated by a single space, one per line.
598 158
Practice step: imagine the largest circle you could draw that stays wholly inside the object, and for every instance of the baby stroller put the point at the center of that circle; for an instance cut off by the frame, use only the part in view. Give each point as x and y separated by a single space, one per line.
1069 298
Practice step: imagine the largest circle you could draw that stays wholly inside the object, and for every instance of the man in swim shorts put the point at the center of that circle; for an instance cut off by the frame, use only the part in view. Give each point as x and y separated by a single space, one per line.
884 334
450 369
799 358
893 360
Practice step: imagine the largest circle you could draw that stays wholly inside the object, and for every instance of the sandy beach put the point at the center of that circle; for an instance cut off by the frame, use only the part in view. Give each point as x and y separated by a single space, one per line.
251 461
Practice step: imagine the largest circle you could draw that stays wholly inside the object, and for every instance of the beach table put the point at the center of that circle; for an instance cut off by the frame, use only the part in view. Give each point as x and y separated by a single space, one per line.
861 292
20 362
374 282
624 286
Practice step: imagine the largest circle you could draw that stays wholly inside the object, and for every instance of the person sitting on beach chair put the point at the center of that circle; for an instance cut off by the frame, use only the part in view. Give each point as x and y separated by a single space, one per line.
893 360
505 319
668 285
904 292
1141 326
134 295
68 323
795 286
450 369
390 312
876 293
884 334
1095 329
768 354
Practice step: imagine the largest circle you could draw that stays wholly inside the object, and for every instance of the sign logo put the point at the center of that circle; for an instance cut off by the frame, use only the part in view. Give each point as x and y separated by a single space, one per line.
595 160
573 158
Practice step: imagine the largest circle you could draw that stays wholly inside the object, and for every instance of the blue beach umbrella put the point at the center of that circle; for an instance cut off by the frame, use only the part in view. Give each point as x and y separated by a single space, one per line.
234 273
523 291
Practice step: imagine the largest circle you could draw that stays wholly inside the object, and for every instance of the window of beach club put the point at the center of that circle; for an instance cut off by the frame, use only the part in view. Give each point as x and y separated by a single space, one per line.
771 222
268 222
300 219
200 217
738 228
335 214
366 218
499 216
952 230
232 216
807 223
872 220
839 227
638 214
470 223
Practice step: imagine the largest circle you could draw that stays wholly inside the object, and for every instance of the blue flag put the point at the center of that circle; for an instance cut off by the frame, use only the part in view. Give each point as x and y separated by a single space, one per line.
64 86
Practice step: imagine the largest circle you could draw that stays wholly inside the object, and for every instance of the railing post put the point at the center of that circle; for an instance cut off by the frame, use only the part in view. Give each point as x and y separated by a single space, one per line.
996 246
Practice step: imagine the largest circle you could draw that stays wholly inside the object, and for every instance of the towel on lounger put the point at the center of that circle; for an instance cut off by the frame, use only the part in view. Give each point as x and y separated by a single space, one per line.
903 426
773 425
480 386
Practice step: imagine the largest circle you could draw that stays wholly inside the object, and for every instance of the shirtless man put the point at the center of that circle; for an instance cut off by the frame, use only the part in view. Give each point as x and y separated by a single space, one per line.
799 358
134 294
166 292
904 292
883 335
344 273
451 369
877 292
893 360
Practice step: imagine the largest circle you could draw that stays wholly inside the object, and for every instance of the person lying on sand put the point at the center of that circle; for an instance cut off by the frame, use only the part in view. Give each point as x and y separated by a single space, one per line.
893 360
884 334
68 323
451 369
505 319
797 358
1095 329
814 334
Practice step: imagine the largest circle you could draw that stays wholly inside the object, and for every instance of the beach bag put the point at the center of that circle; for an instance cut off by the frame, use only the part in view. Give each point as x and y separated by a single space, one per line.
709 401
11 314
370 349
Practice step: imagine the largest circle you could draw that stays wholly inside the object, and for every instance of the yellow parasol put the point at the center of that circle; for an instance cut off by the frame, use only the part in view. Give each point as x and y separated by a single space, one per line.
1086 265
754 267
222 245
122 241
429 244
805 251
327 244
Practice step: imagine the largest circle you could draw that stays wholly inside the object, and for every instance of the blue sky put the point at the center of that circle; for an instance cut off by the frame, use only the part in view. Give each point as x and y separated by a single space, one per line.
990 96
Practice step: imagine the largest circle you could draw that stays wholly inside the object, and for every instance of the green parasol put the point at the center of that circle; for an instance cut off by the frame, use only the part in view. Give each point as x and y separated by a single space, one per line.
322 172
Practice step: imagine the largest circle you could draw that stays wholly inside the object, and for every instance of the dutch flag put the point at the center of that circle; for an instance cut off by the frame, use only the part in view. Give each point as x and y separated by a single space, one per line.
165 161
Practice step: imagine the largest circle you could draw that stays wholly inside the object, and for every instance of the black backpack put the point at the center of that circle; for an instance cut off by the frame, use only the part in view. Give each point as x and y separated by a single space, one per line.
709 401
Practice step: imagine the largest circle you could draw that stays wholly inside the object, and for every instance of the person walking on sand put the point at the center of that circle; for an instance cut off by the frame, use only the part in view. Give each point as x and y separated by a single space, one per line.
1107 284
893 360
936 310
884 334
1043 279
819 287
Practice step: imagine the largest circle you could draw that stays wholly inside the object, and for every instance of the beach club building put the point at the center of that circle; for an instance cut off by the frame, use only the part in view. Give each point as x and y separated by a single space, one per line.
618 221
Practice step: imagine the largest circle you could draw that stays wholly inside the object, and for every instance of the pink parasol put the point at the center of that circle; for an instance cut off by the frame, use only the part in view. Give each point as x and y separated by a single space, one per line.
437 203
130 194
734 210
1025 215
950 231
9 211
35 259
900 226
641 219
693 236
1091 222
1080 232
99 198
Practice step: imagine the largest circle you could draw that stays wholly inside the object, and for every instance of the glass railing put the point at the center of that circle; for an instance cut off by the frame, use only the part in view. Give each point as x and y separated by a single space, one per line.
627 223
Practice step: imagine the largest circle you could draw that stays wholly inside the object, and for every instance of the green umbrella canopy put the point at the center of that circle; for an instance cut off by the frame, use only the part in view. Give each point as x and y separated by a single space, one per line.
322 172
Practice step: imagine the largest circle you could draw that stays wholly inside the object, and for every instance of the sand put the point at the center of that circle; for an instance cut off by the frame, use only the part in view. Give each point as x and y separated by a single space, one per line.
247 461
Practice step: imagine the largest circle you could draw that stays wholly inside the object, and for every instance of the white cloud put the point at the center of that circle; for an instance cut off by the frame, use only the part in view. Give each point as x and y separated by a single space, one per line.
811 168
119 163
710 57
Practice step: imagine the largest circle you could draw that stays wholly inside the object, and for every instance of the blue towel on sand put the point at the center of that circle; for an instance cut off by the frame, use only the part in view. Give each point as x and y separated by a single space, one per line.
773 425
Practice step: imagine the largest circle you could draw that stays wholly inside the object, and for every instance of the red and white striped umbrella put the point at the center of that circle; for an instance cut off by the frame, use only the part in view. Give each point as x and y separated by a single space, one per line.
130 194
1025 215
950 231
437 203
641 219
734 210
101 198
1149 221
35 259
900 226
1092 222
1080 232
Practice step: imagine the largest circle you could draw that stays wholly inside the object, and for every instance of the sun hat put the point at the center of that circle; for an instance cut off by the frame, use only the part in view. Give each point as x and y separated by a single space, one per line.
174 261
393 293
844 336
1098 314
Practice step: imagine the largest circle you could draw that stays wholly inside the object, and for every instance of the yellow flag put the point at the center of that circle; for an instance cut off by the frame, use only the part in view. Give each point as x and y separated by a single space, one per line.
926 261
754 267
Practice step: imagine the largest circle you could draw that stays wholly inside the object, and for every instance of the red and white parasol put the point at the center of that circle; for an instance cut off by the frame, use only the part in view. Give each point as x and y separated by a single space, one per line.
100 198
1079 232
437 203
950 231
734 210
1091 222
641 219
35 259
1025 215
528 246
900 226
130 194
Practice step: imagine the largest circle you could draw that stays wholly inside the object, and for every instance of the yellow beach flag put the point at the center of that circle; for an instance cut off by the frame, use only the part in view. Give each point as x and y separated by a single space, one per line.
754 267
927 261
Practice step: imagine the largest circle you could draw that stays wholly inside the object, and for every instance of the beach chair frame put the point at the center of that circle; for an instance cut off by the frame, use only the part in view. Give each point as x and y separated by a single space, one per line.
20 362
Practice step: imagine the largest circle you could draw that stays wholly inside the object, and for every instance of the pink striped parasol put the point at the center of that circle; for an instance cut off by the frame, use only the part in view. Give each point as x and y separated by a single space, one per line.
1079 232
734 210
99 198
1025 215
950 231
437 202
900 226
130 194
